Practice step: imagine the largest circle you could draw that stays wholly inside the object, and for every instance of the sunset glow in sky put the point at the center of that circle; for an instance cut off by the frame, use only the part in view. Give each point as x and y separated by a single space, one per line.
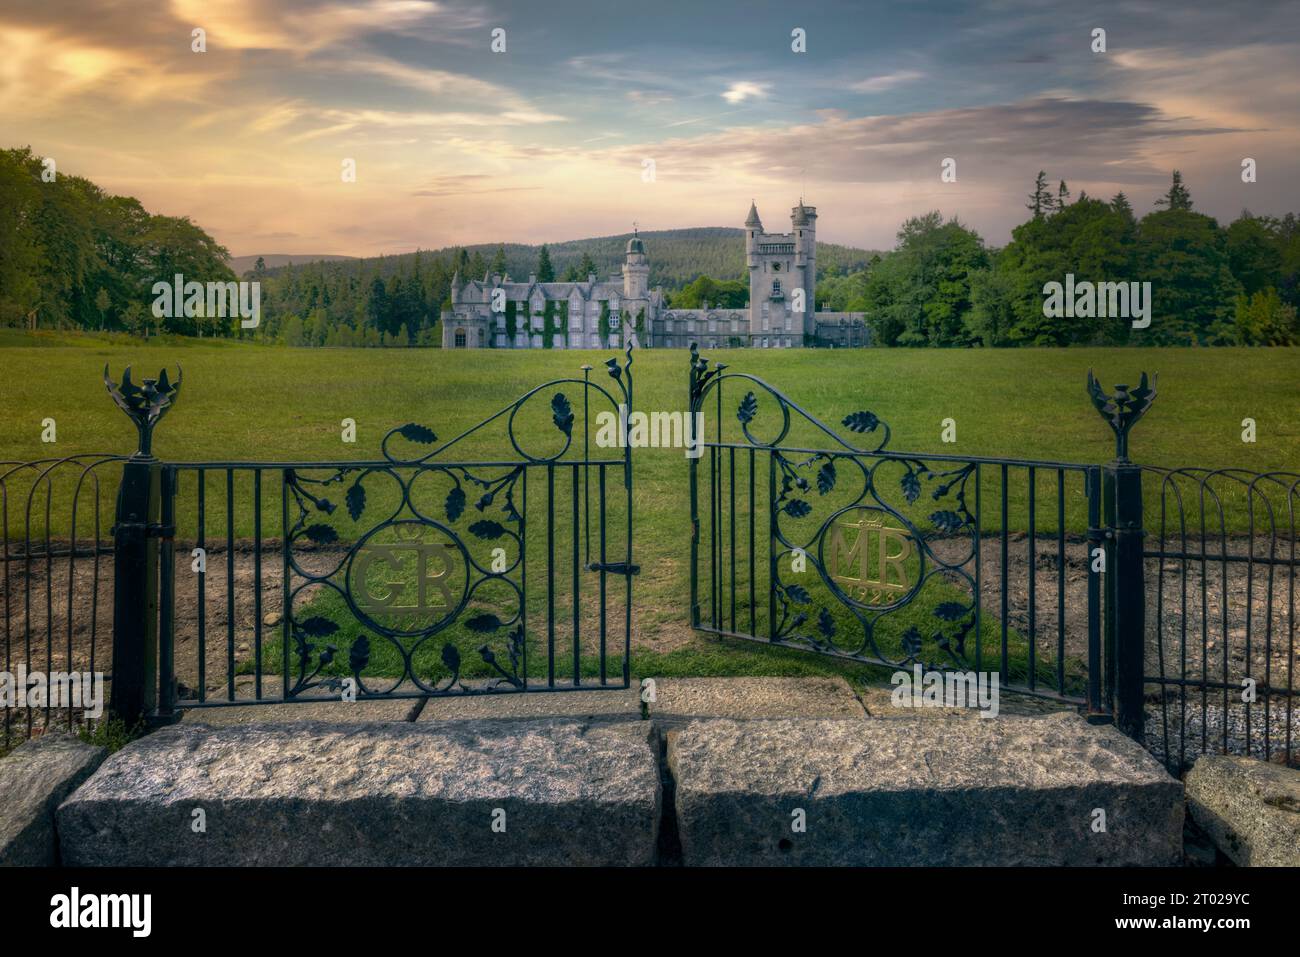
455 144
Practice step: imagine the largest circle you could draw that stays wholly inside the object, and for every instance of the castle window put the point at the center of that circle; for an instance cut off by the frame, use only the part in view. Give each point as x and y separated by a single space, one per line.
460 339
480 338
776 287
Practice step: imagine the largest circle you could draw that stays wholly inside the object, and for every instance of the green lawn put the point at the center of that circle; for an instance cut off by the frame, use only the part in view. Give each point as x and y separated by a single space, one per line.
249 403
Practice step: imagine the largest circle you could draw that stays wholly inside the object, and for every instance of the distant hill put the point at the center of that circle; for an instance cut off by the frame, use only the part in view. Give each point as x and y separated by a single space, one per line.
677 256
241 264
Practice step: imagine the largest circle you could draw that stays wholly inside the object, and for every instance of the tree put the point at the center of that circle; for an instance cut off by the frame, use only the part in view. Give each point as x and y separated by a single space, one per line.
920 295
102 302
1040 200
498 267
1185 256
545 271
1263 319
1178 196
1062 196
1254 253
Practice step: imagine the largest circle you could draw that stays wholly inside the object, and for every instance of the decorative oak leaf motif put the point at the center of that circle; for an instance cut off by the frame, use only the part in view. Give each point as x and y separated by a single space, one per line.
414 432
911 484
826 477
911 642
798 594
321 534
826 624
562 413
487 529
451 658
317 627
950 611
359 654
861 421
947 521
748 409
356 500
455 505
796 508
483 624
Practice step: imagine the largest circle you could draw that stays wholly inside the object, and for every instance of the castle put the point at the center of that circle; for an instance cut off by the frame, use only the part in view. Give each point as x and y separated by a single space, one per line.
497 312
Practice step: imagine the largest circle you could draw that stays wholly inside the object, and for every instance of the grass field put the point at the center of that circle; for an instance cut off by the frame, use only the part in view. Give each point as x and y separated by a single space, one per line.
248 403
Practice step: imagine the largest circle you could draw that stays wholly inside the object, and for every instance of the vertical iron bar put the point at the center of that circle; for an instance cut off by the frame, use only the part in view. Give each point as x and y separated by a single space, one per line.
202 477
979 561
1002 668
1033 577
167 597
1125 593
771 546
577 604
600 484
550 574
753 623
257 583
732 514
135 591
1060 581
286 601
230 584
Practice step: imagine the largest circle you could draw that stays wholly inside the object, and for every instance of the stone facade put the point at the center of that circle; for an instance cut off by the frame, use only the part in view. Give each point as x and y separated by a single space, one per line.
498 312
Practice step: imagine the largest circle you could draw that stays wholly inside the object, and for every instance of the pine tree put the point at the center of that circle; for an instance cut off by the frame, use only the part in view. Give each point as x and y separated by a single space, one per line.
1062 195
1040 200
1178 196
498 267
545 271
1122 206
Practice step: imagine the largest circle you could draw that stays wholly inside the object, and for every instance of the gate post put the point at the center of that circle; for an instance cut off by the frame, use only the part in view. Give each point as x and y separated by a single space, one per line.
134 693
1125 581
1125 622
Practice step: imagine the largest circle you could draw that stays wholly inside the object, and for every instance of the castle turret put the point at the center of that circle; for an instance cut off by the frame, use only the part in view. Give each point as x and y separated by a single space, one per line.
636 269
803 225
753 229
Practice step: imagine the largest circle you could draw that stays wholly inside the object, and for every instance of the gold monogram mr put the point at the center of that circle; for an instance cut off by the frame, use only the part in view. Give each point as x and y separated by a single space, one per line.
866 573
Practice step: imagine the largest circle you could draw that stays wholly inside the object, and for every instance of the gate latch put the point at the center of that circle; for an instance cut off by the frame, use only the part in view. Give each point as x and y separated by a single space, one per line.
614 568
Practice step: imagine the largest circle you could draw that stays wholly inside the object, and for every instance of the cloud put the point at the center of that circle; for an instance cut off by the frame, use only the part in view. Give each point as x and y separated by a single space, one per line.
743 90
886 81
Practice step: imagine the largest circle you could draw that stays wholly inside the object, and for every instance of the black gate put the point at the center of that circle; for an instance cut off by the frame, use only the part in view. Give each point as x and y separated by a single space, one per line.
830 541
495 561
1174 612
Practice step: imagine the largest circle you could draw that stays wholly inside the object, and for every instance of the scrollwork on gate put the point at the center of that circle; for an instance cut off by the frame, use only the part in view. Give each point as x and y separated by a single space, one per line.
418 550
875 530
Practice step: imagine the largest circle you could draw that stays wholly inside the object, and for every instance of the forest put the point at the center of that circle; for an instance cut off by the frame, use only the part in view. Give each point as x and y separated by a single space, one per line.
75 257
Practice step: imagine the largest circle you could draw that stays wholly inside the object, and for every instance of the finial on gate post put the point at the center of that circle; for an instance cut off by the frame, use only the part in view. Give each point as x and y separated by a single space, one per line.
145 404
1122 410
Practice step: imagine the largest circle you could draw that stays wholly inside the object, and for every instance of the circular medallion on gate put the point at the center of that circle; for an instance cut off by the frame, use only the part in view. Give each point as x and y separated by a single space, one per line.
407 578
875 561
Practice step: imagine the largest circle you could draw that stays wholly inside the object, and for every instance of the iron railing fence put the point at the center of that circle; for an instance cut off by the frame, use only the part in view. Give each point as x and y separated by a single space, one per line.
57 572
1221 655
1167 604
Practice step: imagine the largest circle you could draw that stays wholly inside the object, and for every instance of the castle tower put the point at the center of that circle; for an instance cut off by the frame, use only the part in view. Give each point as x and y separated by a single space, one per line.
803 225
636 269
635 307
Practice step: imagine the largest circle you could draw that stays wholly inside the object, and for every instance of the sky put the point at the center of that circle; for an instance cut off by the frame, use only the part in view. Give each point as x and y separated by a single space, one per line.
555 137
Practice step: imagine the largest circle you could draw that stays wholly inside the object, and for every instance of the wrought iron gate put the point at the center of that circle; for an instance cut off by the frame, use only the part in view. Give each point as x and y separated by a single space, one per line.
842 546
496 561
